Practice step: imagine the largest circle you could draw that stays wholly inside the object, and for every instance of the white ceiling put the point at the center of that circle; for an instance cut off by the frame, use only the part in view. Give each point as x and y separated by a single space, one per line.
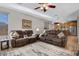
60 13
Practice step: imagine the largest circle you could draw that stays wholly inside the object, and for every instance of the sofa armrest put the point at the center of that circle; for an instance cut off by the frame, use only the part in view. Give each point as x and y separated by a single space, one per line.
64 41
13 42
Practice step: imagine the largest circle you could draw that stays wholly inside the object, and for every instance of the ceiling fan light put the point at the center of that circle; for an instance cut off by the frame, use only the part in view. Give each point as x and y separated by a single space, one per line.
46 8
41 8
44 5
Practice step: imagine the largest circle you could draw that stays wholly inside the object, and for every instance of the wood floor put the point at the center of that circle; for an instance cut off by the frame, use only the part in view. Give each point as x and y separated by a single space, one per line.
36 49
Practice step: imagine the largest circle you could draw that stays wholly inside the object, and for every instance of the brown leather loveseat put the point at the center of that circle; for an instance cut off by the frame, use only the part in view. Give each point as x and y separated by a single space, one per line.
21 41
51 37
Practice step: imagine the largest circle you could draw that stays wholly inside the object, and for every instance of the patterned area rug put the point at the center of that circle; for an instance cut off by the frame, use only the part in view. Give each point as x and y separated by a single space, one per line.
36 49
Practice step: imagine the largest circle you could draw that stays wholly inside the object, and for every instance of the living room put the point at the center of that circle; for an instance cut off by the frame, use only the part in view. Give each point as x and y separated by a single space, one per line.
35 32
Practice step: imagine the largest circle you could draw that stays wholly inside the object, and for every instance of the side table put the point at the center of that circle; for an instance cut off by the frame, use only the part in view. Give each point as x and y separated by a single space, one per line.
6 43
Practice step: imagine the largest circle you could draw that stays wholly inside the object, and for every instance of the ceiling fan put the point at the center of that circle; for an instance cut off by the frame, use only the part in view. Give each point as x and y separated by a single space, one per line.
44 6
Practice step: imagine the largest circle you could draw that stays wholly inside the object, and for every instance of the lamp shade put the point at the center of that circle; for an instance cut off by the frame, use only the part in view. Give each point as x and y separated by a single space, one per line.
37 29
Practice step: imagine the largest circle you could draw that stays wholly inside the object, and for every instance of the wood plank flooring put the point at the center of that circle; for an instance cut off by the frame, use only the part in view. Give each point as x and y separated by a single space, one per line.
36 49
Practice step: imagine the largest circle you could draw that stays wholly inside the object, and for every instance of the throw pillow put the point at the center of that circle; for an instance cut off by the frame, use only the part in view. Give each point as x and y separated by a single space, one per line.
11 35
42 33
61 34
16 35
25 36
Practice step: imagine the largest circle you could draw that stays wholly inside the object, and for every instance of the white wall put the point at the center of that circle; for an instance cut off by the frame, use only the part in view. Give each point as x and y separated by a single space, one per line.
51 26
72 16
46 24
15 20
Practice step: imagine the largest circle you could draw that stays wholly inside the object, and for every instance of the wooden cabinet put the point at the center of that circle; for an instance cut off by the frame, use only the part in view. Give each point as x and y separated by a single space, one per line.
72 43
71 26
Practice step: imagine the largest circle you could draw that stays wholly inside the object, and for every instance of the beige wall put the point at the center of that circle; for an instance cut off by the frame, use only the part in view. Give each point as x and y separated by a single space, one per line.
15 20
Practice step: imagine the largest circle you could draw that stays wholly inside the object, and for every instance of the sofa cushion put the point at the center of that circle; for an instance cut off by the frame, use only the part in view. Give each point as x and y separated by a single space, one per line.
20 32
20 42
54 32
56 40
49 37
25 36
28 32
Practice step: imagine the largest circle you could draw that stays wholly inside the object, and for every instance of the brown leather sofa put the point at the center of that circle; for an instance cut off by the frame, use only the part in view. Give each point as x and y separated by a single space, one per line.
52 38
21 41
49 36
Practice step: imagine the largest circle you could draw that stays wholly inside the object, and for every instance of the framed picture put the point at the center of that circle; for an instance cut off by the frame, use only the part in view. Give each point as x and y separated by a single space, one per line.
26 24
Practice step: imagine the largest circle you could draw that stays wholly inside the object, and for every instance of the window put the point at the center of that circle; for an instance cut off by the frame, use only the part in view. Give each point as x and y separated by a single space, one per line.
3 23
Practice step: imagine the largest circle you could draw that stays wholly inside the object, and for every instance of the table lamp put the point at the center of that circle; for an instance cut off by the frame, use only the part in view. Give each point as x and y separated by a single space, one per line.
37 30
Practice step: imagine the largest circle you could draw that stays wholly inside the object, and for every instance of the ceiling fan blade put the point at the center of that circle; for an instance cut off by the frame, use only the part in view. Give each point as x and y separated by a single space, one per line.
51 6
40 3
37 8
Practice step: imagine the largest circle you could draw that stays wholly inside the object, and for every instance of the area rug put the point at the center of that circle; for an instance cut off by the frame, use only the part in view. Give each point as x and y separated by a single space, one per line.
36 49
